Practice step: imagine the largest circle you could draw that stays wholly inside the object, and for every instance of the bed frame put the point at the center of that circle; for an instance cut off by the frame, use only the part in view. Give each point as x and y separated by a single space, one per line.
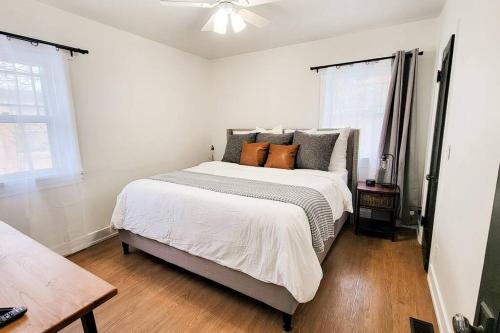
273 295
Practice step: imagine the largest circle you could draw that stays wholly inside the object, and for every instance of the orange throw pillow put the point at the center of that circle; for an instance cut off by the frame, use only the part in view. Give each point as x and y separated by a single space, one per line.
254 154
282 157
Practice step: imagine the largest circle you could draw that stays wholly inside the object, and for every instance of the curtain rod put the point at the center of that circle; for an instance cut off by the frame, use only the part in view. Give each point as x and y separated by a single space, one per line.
317 68
39 41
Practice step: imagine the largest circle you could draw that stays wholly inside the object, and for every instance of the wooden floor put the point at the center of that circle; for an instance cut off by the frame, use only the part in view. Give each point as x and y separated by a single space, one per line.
369 285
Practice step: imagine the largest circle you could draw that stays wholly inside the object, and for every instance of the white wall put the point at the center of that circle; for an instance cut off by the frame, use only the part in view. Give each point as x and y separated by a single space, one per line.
276 86
135 101
140 109
468 177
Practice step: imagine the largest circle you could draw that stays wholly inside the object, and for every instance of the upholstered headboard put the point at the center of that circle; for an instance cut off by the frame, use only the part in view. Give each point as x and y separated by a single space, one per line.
352 157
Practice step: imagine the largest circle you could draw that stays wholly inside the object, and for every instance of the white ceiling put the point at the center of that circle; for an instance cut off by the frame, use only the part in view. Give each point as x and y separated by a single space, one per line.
293 21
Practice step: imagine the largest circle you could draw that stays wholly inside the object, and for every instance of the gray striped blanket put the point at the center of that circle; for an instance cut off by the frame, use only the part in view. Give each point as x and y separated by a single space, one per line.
317 209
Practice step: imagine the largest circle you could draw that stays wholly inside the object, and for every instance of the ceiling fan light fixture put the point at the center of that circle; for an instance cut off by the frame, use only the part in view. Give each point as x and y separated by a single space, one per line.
226 10
220 21
237 22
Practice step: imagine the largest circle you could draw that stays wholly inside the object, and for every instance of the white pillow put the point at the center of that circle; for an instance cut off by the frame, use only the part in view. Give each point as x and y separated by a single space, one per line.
276 130
244 132
308 131
338 161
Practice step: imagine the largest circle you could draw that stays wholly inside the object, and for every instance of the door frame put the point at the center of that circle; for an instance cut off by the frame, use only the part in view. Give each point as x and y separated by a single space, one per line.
444 77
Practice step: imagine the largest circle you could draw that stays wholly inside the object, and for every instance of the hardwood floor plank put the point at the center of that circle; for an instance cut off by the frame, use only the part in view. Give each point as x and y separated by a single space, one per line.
369 285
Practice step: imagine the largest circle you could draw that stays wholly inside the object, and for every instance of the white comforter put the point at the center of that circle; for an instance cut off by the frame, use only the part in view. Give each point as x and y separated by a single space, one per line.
268 240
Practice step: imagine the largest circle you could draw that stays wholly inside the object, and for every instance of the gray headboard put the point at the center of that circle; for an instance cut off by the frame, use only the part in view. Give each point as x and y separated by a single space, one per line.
352 157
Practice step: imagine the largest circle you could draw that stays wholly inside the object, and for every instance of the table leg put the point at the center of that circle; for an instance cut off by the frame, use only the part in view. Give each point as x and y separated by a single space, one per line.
88 323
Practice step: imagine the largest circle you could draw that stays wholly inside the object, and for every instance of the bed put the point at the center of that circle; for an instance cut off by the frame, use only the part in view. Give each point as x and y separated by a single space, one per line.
258 247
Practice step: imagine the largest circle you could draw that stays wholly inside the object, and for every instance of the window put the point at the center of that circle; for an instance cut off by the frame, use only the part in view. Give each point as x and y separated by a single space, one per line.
355 96
37 133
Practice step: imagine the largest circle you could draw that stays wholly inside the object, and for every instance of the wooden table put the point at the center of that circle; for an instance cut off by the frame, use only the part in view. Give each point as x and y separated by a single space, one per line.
55 290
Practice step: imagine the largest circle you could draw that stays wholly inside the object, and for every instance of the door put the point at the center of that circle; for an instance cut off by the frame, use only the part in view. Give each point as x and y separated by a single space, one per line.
488 301
437 142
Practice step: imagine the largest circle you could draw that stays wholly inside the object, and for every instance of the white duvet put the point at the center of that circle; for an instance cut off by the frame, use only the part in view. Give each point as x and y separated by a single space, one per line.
268 240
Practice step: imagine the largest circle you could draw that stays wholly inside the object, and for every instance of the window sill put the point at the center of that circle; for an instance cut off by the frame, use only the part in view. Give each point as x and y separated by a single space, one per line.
26 187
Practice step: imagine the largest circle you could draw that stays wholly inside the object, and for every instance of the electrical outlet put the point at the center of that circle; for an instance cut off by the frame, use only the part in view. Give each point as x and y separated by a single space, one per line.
414 212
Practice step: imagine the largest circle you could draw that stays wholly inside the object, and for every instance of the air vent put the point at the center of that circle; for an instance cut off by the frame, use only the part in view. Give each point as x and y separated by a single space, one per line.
419 326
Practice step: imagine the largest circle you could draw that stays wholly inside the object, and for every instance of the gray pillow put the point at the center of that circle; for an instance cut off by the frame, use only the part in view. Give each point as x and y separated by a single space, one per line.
315 150
275 139
234 145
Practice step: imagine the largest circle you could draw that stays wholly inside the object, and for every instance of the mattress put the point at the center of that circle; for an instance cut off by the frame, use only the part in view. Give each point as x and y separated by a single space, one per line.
268 240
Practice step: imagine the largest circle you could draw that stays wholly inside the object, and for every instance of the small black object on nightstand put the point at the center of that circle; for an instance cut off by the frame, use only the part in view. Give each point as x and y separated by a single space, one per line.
378 200
371 182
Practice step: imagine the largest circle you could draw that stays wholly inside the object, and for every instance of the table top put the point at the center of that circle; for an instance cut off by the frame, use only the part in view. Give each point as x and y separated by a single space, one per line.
55 290
377 188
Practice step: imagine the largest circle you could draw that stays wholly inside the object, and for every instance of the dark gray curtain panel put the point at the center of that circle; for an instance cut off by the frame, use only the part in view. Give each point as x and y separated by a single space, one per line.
399 132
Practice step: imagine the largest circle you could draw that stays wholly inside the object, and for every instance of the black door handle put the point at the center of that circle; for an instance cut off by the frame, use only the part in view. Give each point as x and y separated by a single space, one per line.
430 177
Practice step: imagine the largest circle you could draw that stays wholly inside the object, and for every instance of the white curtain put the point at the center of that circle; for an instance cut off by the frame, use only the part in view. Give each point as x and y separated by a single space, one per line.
40 189
38 141
355 96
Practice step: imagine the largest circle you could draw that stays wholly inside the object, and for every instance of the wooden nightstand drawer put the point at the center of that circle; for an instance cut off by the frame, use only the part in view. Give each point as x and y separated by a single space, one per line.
376 200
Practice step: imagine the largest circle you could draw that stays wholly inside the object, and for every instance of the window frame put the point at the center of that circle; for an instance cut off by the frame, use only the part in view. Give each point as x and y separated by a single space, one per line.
49 99
31 118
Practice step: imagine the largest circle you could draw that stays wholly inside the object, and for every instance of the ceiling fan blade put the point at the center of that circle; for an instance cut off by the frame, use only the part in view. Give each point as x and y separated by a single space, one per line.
210 25
179 3
253 18
253 3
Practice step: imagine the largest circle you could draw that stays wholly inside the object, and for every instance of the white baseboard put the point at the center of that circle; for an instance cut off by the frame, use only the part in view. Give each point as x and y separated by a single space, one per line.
85 241
439 305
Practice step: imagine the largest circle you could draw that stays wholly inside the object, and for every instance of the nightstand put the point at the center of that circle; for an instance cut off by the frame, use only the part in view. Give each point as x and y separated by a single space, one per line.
382 204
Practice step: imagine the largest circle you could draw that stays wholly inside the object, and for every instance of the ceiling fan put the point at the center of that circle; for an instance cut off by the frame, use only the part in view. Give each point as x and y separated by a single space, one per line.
227 11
